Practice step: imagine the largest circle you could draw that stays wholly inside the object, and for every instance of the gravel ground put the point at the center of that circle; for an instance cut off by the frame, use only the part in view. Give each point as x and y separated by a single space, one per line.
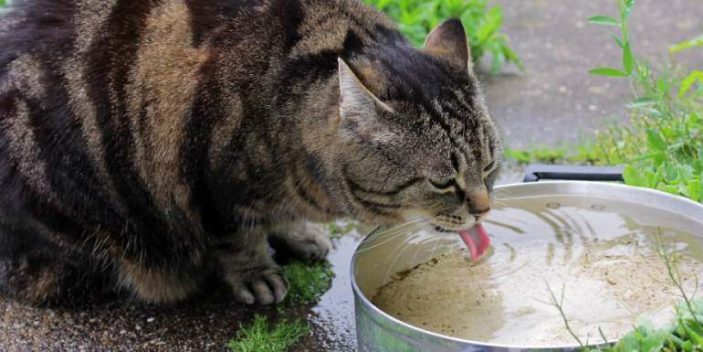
554 101
205 323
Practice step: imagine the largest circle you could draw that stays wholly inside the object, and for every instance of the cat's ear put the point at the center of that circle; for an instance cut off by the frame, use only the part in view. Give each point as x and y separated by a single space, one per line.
358 105
448 41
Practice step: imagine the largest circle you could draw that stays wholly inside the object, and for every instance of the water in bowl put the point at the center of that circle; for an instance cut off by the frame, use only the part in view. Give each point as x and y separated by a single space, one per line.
594 251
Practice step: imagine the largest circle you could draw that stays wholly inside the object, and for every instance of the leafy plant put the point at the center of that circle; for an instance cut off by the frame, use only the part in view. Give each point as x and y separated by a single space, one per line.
663 146
628 58
260 337
416 18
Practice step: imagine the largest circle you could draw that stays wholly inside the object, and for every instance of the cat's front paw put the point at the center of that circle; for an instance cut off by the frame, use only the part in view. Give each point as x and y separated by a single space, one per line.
306 241
264 285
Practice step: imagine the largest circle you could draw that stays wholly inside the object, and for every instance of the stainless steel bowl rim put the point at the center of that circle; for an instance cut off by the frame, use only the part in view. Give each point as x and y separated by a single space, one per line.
526 187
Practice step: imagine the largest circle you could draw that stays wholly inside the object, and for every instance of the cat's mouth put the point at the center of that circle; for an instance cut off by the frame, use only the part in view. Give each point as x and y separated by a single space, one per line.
475 238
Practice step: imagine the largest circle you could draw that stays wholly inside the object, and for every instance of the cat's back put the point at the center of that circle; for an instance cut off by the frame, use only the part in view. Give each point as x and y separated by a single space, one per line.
98 34
97 96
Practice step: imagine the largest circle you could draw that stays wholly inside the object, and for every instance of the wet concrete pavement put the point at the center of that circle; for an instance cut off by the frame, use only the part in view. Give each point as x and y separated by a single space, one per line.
554 100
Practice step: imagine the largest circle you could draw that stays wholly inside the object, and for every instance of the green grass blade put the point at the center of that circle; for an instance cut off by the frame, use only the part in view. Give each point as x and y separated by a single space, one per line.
642 102
688 82
628 60
686 44
608 71
604 21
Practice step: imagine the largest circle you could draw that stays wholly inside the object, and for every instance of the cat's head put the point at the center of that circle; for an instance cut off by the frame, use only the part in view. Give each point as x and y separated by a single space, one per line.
416 139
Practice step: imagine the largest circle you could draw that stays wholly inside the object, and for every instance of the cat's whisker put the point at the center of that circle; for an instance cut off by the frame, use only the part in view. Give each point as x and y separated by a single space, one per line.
385 238
434 248
375 245
388 236
382 234
397 256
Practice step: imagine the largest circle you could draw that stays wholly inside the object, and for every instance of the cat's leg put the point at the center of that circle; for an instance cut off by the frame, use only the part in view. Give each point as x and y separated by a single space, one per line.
248 268
37 271
155 284
305 240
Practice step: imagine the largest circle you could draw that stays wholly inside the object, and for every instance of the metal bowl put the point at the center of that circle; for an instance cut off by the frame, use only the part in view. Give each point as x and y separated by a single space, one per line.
379 331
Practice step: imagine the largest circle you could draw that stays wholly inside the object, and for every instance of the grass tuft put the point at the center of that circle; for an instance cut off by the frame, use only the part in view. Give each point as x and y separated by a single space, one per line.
260 337
307 282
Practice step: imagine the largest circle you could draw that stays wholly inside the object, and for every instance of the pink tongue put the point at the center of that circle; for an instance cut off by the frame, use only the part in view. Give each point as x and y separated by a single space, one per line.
476 240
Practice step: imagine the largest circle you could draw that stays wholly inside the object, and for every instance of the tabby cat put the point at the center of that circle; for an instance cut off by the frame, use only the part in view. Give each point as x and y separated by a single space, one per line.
148 143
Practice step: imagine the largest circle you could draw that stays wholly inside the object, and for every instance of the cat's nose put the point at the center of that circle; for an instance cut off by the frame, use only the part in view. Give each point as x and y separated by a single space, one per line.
479 203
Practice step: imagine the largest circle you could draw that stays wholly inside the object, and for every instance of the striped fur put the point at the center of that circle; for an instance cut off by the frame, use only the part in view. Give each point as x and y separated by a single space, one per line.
144 142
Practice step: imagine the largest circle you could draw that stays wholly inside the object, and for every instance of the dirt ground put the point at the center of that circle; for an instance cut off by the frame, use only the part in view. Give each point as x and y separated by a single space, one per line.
553 101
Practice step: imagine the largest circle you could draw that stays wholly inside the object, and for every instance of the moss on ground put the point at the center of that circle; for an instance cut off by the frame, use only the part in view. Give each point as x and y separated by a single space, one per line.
307 282
260 336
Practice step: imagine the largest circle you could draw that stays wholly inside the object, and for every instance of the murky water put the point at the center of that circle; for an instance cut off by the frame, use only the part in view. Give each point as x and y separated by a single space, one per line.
601 254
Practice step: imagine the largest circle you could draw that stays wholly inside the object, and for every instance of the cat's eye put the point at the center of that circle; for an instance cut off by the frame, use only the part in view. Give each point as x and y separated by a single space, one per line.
443 186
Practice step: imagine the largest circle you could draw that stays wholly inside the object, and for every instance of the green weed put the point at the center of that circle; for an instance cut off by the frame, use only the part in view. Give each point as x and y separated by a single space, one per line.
416 18
662 146
260 337
307 282
539 154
